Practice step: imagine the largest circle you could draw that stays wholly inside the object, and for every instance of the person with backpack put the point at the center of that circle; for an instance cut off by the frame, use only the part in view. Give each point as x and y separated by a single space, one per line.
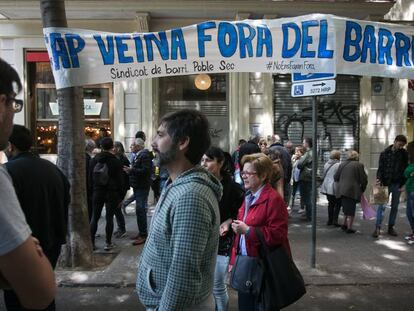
108 188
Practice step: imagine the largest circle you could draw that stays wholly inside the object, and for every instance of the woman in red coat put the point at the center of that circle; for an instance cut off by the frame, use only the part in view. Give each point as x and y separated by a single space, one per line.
263 208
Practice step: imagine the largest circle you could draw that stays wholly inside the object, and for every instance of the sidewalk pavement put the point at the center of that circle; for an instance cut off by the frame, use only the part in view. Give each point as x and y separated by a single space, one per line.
341 258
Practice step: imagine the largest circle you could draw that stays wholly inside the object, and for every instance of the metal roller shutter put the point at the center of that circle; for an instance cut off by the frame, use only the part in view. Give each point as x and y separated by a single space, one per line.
216 112
338 116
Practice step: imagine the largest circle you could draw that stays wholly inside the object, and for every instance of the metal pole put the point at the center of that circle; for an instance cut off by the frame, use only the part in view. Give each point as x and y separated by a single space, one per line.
314 173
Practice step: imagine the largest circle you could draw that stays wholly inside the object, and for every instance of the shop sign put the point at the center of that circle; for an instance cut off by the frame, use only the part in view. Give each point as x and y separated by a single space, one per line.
91 107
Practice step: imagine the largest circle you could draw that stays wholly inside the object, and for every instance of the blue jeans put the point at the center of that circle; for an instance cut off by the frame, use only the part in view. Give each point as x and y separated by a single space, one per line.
141 198
410 209
394 190
220 289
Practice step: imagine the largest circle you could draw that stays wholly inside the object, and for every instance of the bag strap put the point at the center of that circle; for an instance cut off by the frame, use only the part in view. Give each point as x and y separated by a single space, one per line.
326 173
263 245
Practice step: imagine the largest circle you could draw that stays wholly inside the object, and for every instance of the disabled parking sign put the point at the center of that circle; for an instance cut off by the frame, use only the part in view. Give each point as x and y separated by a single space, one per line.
298 89
313 88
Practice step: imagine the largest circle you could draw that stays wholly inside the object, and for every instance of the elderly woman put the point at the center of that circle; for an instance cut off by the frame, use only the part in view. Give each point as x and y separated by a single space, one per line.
327 187
264 209
352 182
214 161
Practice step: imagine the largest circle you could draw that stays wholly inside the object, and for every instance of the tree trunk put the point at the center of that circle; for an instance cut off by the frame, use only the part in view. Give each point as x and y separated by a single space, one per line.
71 153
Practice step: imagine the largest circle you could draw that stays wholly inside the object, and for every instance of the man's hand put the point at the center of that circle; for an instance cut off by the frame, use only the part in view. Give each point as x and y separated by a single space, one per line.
38 247
225 227
126 169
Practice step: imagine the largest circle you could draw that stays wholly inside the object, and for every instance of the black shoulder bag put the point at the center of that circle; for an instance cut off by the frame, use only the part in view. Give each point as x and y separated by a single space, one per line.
282 282
247 273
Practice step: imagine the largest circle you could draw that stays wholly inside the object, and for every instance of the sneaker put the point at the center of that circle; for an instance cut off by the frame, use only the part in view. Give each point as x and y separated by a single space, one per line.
411 240
392 232
139 241
376 233
301 211
409 237
109 246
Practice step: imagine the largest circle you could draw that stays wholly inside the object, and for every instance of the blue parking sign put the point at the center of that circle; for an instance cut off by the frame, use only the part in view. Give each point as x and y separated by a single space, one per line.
298 90
306 77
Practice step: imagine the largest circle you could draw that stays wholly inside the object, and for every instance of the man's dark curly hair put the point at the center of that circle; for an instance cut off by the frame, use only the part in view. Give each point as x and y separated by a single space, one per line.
192 124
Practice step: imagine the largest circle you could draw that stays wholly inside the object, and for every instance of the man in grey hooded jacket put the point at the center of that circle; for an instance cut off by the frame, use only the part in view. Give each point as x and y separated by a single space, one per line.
177 264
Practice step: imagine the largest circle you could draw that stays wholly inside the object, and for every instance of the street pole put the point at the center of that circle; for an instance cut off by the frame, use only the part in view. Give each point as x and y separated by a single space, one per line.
314 173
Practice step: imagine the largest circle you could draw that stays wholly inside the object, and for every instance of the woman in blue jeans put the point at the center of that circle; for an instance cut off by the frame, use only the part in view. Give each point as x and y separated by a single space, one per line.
213 160
409 185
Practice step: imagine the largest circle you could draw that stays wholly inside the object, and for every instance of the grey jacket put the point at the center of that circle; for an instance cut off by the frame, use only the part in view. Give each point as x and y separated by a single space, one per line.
352 180
177 264
329 171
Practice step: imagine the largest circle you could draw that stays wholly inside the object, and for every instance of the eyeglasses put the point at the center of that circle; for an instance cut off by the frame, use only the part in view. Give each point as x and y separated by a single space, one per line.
247 173
17 104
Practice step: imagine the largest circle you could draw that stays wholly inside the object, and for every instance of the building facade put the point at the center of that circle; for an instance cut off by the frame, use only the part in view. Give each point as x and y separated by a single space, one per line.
365 114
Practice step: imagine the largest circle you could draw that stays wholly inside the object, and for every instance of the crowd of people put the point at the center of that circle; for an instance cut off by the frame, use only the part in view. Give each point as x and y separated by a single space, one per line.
212 207
343 182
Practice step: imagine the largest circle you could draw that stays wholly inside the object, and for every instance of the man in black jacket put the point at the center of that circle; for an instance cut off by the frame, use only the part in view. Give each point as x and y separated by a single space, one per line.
43 193
392 163
108 188
140 181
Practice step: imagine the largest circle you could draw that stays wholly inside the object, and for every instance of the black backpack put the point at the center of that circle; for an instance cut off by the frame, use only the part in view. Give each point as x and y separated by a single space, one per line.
100 174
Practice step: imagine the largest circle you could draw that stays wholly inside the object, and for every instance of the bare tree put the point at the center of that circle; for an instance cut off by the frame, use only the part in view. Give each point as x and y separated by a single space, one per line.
71 155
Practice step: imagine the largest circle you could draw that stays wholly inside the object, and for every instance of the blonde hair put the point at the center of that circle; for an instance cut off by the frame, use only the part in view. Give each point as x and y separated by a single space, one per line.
262 140
352 155
261 163
335 154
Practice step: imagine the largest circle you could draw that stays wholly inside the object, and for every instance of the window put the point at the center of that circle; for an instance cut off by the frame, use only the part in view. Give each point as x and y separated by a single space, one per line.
179 92
44 111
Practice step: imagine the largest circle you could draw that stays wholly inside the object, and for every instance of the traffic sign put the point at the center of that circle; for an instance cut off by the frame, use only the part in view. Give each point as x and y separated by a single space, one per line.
315 88
307 77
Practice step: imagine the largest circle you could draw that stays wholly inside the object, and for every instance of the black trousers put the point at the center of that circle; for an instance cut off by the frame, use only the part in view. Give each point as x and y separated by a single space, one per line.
120 219
111 201
247 302
11 300
334 207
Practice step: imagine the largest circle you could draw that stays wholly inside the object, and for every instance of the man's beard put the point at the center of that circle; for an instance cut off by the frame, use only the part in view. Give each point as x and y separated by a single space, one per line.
169 156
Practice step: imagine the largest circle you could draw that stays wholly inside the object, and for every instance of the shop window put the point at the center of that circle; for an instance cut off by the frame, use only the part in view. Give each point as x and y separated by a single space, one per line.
44 111
181 92
183 88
